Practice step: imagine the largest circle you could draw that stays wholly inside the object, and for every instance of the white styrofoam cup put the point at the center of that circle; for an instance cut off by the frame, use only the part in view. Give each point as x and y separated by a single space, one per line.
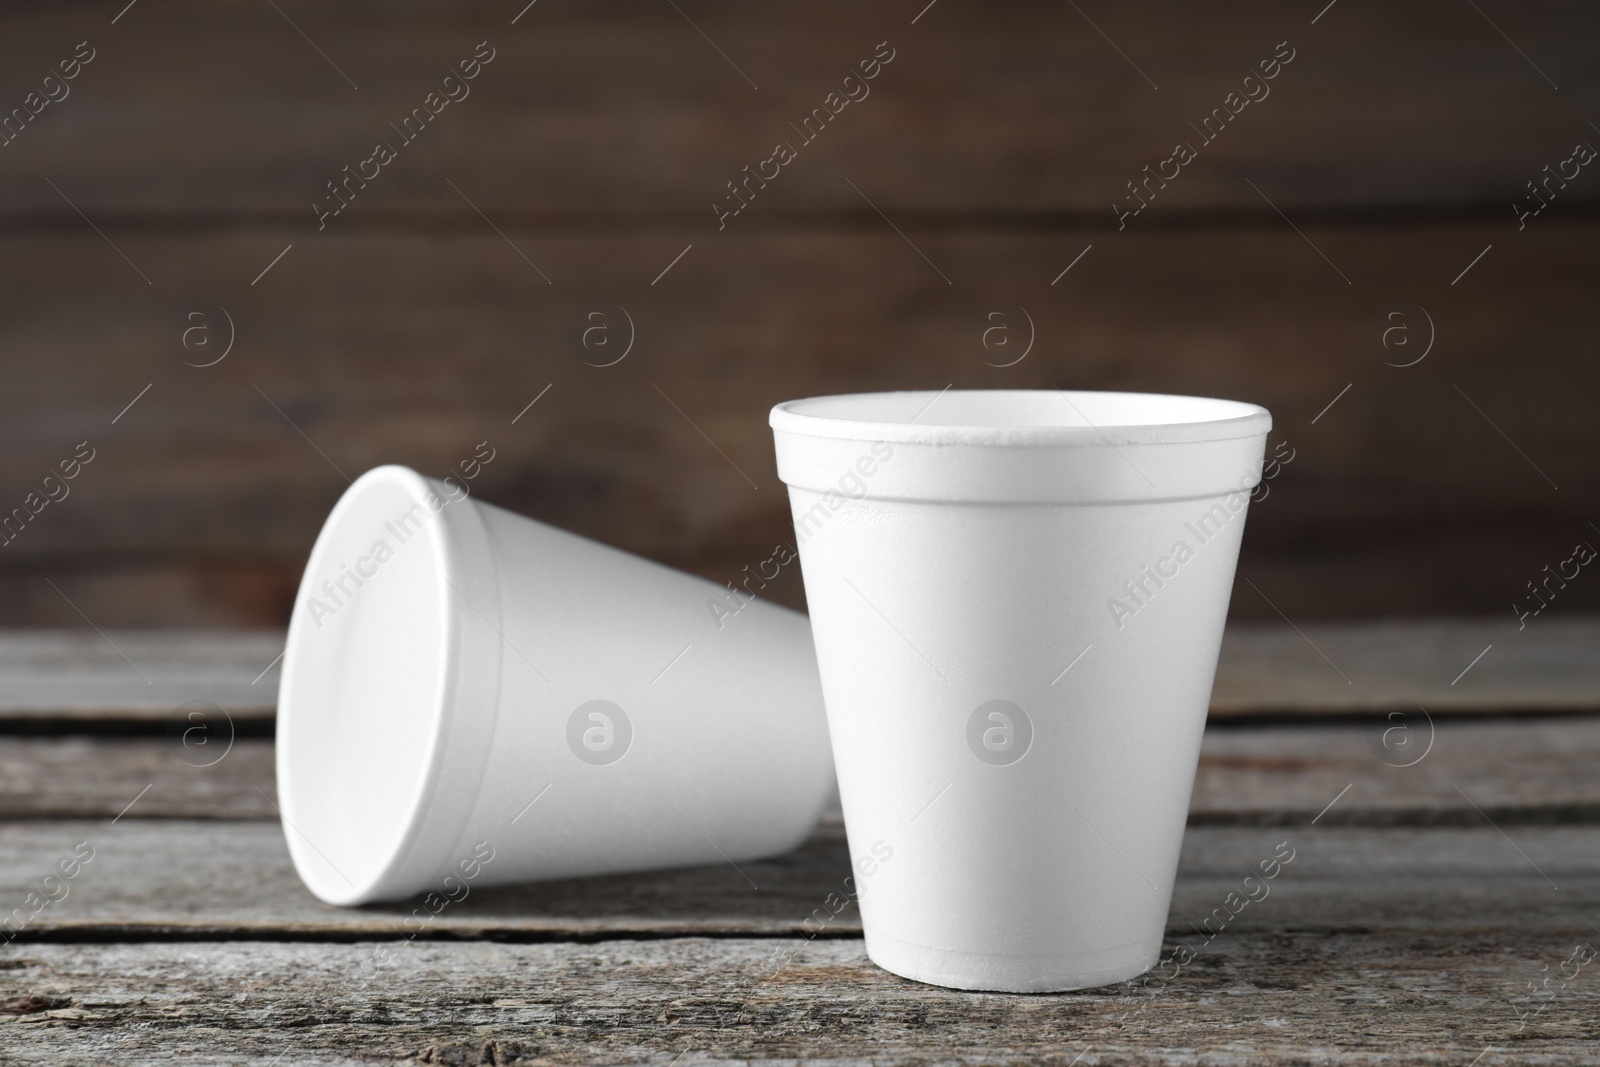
463 682
1017 599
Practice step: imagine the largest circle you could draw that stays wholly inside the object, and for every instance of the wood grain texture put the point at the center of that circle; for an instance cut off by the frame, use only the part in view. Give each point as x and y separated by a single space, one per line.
152 778
191 110
1422 909
1418 667
59 676
1401 499
1388 939
1401 769
1266 671
197 880
1260 996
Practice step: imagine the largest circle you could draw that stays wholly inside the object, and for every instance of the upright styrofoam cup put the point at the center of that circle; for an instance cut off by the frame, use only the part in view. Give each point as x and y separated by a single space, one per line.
462 682
1017 599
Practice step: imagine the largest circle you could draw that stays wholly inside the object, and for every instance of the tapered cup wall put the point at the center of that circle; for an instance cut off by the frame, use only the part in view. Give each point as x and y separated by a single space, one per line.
500 701
1017 614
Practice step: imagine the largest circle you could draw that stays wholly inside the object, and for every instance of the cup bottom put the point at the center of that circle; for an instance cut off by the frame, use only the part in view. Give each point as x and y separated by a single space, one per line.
1012 974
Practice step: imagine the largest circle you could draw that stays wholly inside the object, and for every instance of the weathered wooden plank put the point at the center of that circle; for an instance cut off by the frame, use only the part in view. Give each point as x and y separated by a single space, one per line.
626 108
164 879
150 675
1401 769
1416 667
1262 996
83 776
1266 671
220 533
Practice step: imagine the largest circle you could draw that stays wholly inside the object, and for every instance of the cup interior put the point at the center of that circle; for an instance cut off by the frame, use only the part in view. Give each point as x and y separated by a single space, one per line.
364 684
1020 416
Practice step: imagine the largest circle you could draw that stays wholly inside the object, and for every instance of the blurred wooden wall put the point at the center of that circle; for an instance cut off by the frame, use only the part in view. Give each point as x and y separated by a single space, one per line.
192 147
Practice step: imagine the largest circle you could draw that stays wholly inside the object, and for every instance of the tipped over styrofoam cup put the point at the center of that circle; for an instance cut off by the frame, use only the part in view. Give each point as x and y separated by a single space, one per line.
472 696
1017 599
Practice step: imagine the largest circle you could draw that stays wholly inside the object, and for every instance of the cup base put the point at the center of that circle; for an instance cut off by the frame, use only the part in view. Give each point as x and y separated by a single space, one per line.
1013 974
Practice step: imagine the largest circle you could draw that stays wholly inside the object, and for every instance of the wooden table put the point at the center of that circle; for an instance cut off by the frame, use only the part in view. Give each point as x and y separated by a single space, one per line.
1445 884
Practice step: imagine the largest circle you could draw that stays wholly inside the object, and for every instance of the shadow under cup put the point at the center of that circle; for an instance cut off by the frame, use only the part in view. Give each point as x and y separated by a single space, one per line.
1017 599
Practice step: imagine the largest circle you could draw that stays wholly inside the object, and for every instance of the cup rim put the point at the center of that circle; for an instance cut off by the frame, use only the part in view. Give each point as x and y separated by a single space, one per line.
305 803
910 417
